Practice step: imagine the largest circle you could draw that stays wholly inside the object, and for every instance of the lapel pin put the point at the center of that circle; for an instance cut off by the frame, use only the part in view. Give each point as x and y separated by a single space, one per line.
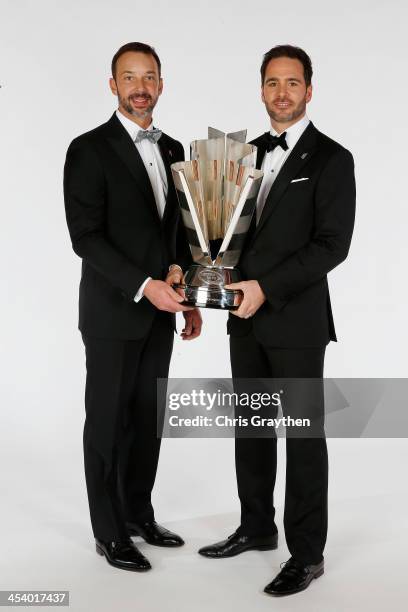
303 156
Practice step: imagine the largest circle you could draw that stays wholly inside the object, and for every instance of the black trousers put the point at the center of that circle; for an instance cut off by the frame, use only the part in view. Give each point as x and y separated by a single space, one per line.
121 445
305 514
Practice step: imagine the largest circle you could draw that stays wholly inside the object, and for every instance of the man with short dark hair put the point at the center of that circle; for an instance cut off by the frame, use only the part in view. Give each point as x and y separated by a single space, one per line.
301 230
123 219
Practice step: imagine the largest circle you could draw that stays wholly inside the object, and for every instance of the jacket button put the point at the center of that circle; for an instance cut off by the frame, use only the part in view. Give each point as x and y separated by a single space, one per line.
252 252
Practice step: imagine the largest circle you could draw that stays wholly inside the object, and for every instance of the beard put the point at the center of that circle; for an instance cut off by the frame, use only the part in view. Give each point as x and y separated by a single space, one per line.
142 113
285 116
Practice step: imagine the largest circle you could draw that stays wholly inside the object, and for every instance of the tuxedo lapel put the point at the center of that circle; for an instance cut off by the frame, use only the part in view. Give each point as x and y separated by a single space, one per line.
167 154
260 154
122 143
302 152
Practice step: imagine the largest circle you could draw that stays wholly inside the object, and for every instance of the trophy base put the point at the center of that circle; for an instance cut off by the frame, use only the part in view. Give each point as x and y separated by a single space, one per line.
204 287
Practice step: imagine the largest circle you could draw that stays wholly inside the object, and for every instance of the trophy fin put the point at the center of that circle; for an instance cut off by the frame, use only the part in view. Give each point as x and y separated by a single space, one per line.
235 218
238 226
214 133
238 136
199 247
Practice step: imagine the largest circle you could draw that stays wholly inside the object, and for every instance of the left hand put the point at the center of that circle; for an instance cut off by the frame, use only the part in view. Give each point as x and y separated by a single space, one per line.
192 328
254 297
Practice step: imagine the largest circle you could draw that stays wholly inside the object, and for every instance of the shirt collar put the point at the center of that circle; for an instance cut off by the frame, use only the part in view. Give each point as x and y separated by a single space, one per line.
294 132
130 126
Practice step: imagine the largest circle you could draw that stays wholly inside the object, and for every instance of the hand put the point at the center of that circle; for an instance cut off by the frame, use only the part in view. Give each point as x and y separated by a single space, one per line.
254 297
175 275
193 325
161 295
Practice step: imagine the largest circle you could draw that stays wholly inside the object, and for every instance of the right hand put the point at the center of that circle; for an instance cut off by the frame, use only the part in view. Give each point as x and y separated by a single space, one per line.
174 276
161 295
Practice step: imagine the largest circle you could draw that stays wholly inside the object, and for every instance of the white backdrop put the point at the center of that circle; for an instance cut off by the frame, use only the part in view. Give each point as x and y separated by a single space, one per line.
54 69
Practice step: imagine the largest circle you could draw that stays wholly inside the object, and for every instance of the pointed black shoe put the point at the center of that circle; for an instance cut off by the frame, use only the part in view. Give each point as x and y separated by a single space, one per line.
237 543
294 577
123 554
155 534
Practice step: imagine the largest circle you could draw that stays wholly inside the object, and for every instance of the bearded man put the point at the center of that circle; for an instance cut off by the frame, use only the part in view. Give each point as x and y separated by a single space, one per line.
123 219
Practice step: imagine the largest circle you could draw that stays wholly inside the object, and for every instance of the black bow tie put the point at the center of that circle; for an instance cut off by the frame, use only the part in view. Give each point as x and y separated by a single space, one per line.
275 141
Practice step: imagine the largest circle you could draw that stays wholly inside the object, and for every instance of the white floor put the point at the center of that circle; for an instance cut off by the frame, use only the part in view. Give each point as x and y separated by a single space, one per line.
47 542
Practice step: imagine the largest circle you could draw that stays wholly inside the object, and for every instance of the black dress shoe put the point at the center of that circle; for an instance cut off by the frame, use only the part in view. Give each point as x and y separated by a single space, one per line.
123 554
236 544
294 577
155 534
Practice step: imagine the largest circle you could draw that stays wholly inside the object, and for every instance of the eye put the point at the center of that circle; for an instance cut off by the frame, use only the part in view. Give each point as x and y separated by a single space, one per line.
128 78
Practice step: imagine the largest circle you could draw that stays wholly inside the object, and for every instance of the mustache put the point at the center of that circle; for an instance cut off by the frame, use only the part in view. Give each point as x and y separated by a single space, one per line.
144 95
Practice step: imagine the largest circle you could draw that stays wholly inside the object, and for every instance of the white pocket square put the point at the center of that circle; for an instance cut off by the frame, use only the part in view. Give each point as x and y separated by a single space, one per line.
305 178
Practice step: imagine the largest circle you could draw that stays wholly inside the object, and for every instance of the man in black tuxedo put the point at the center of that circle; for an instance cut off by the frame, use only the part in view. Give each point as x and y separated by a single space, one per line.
302 229
123 219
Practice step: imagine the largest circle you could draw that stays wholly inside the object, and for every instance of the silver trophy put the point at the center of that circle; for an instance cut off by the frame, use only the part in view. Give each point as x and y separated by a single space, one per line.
217 191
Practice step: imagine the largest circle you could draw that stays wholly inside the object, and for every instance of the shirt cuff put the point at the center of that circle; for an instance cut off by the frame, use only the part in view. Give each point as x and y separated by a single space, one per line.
139 293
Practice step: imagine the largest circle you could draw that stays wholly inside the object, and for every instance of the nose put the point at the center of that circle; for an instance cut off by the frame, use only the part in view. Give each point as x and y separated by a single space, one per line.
139 84
282 90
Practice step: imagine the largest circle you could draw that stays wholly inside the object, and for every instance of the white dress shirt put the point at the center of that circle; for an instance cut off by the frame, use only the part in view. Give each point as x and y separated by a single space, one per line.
152 159
274 160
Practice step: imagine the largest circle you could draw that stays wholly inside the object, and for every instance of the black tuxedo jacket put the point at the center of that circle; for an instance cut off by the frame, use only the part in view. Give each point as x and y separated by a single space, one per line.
115 227
304 231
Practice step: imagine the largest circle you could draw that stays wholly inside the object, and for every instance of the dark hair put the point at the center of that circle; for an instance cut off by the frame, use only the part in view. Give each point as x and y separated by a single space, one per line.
138 47
292 53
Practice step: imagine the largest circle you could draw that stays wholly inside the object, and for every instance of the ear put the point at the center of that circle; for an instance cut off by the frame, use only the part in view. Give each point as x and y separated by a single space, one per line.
309 91
112 85
160 86
262 95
